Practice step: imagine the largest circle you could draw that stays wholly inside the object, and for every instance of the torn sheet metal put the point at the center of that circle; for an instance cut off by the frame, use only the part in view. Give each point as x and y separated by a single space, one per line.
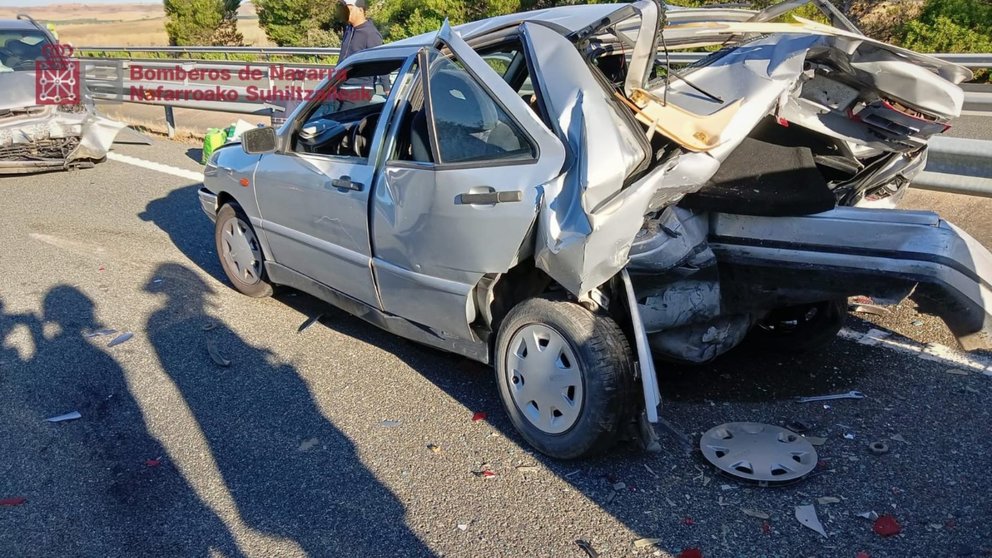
36 138
586 214
646 48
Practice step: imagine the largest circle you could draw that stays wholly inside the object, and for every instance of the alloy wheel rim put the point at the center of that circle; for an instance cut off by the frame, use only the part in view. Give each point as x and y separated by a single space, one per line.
544 379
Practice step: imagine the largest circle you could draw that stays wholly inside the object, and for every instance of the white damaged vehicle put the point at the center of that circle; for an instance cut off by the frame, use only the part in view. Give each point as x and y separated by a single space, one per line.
544 193
43 137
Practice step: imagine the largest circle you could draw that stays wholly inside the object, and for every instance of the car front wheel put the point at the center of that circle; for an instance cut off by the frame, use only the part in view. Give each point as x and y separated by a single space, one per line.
240 252
566 377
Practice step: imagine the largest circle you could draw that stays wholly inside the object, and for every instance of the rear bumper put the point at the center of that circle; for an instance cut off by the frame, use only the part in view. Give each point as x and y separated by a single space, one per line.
865 251
208 201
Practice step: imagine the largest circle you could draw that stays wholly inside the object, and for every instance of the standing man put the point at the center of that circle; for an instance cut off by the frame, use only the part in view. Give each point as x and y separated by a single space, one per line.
359 33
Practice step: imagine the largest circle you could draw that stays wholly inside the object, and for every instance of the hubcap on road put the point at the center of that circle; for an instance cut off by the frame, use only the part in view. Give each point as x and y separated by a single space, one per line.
544 378
241 251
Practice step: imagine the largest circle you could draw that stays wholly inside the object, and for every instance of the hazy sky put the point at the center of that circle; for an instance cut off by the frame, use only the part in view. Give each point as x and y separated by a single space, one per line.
29 3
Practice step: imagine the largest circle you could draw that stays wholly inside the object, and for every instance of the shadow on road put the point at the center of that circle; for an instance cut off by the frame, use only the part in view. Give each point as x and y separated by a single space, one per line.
96 474
180 216
290 471
230 407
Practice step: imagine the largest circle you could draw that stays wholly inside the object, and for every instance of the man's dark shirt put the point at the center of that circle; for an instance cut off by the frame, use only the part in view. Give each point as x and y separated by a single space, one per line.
357 39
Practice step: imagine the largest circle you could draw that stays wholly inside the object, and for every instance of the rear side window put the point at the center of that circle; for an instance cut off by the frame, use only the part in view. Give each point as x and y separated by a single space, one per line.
469 125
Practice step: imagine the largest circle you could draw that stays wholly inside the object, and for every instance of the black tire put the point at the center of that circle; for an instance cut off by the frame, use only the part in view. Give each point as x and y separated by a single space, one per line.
605 365
259 288
799 329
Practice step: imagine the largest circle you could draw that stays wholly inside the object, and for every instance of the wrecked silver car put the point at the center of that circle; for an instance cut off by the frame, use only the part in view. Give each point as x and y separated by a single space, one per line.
38 137
544 193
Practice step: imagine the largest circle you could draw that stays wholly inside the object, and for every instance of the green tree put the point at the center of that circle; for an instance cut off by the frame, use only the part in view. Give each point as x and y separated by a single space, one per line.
951 26
202 22
306 23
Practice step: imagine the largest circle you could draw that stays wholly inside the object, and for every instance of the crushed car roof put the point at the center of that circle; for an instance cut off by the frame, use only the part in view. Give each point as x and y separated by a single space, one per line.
572 18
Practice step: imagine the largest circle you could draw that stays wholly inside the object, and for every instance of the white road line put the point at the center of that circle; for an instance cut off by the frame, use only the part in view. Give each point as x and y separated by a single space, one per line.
932 352
158 167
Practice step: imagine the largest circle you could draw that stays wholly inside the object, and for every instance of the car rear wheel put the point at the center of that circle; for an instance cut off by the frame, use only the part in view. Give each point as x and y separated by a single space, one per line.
240 252
565 376
799 329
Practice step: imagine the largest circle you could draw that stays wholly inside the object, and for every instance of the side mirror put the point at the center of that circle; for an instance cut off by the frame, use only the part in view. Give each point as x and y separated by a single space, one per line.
259 141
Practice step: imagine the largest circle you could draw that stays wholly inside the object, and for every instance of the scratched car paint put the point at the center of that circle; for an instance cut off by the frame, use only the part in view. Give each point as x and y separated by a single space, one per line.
541 192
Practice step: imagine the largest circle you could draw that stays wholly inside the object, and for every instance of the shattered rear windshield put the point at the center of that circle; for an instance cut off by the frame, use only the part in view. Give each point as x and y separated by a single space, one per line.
20 48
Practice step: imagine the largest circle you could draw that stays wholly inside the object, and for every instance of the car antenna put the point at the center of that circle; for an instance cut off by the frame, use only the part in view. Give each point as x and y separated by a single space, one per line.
669 72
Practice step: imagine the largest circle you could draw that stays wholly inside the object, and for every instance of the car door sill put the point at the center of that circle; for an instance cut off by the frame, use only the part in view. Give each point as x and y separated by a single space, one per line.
282 275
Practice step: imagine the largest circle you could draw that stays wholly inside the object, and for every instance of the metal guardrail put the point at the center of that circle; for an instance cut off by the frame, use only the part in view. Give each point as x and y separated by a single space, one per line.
958 166
973 61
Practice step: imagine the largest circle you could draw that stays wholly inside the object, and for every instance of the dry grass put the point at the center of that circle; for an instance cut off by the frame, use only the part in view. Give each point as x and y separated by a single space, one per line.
118 25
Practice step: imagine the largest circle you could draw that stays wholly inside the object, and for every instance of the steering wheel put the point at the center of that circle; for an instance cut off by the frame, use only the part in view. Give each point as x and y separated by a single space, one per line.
361 135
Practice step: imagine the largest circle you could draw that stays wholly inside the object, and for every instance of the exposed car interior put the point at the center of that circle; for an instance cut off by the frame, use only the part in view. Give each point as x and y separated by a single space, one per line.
470 124
343 120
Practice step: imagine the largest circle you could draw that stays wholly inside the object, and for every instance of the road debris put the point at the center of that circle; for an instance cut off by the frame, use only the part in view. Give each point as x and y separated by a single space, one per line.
849 436
100 333
799 427
655 475
869 515
958 372
878 448
898 438
308 445
823 501
862 554
619 486
153 463
688 521
120 339
210 326
390 423
434 448
309 323
918 323
870 309
757 514
11 502
807 517
463 526
644 543
480 415
691 553
886 526
819 398
755 452
66 417
587 548
215 355
816 441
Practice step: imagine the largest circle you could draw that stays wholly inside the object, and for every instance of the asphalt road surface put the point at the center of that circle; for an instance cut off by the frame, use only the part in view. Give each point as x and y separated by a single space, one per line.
320 443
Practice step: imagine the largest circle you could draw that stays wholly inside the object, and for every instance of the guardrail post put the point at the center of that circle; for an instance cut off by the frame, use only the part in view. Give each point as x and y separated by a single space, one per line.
170 122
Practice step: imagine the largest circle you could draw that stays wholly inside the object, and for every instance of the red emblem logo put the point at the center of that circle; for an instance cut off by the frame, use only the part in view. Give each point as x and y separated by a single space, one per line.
57 80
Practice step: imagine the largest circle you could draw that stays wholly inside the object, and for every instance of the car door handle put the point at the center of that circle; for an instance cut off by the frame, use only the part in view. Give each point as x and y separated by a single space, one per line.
345 183
491 198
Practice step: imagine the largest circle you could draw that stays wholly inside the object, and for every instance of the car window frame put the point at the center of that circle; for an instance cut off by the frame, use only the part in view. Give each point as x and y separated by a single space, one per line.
293 127
426 61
